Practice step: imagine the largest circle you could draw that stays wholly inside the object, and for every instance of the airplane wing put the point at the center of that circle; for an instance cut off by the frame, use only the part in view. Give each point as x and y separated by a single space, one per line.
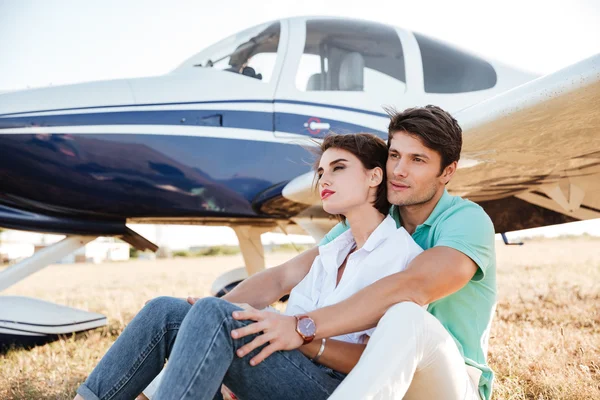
531 156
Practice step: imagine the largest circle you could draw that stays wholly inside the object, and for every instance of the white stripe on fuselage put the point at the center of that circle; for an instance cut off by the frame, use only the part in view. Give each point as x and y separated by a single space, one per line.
260 107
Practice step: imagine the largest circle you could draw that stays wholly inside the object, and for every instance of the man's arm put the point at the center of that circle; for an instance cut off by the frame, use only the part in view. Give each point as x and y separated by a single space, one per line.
270 285
435 273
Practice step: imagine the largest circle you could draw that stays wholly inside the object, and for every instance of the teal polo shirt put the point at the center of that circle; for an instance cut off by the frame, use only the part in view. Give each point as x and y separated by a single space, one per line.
466 314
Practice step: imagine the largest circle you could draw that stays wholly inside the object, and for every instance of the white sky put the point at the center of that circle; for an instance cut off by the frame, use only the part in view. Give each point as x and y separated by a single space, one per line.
58 42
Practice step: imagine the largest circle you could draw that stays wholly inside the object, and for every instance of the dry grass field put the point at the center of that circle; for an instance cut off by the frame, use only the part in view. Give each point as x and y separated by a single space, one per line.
545 340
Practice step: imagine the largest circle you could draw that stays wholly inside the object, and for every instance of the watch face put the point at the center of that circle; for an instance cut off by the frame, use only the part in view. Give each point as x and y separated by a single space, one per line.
307 327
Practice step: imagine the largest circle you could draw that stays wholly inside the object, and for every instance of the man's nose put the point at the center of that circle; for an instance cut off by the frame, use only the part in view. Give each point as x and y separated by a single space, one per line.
400 169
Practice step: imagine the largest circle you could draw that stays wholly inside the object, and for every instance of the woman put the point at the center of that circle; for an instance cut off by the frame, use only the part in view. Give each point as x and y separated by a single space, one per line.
198 341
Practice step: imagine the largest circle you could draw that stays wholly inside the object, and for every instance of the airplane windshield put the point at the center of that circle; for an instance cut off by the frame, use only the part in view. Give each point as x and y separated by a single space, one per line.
251 53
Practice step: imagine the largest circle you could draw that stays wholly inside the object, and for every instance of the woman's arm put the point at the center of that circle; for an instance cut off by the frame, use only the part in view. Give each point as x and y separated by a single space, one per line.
270 285
338 355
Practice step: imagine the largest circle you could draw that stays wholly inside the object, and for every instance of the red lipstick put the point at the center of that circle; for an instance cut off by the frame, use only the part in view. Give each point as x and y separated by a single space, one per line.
326 193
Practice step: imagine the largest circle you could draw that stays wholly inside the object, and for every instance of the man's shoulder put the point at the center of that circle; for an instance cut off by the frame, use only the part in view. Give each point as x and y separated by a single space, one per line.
465 210
466 220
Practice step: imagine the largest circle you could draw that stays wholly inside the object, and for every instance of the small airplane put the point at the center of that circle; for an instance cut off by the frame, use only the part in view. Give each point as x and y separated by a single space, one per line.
220 141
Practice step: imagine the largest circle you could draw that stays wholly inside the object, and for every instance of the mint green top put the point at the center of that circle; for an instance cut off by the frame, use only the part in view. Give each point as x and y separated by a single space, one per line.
466 314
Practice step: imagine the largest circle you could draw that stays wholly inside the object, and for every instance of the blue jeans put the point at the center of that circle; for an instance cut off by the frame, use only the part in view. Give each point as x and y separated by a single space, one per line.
197 342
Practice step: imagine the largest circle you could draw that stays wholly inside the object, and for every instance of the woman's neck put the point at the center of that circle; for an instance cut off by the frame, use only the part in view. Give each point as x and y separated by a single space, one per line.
363 221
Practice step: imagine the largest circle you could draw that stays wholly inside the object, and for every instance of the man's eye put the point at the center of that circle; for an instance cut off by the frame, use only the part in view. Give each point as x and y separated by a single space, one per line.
394 155
418 159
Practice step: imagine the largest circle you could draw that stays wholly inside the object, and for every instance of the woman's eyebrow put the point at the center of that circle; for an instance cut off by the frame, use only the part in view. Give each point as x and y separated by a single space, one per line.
337 161
333 162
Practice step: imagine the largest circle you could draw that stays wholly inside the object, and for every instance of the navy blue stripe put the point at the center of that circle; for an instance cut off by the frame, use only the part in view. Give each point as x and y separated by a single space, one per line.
307 103
223 118
263 121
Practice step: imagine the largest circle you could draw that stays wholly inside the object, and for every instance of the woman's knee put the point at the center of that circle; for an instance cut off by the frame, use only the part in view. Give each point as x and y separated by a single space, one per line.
165 307
212 310
214 305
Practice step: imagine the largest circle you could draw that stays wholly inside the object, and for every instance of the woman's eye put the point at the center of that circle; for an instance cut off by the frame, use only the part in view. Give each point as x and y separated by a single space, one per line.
338 167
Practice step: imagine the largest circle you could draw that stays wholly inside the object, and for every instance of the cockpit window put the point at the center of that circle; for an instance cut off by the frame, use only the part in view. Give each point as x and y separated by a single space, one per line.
342 55
251 53
449 70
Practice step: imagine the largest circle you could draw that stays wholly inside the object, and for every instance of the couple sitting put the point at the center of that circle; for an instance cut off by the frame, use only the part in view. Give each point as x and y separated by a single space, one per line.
394 302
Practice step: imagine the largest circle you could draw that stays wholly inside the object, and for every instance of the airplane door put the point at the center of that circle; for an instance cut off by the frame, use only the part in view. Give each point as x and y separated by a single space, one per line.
338 76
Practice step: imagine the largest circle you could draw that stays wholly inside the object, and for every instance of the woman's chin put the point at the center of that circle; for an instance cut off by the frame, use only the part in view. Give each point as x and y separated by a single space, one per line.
330 209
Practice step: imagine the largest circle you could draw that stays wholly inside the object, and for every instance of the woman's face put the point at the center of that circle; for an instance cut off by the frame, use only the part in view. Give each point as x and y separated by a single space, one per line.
344 183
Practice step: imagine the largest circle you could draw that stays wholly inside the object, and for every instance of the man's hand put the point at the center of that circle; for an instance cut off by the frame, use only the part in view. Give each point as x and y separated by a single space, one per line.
278 330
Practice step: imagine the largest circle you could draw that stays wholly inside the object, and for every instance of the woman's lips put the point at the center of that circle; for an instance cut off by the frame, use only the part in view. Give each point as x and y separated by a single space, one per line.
326 193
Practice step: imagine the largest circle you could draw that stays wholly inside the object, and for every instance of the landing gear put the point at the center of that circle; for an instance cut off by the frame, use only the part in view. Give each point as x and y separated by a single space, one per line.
27 321
254 257
506 242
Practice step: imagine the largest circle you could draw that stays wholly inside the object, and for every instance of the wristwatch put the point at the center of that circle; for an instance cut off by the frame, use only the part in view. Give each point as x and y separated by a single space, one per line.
306 328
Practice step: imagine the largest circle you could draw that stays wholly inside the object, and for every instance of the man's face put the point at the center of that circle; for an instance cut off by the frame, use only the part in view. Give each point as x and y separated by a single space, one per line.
413 171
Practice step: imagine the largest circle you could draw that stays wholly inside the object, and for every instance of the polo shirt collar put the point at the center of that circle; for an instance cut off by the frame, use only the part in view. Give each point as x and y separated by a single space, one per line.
442 205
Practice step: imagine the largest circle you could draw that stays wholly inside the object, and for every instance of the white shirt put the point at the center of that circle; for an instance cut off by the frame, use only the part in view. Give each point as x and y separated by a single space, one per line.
387 250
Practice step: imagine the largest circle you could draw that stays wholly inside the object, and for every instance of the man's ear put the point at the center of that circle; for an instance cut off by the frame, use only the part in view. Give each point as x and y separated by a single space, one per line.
376 177
448 172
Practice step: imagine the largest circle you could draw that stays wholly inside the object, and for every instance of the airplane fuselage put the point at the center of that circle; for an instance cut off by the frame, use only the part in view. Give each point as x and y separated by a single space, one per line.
229 125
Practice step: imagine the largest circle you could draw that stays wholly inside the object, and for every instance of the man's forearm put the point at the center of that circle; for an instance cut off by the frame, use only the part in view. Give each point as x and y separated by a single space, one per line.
364 309
435 273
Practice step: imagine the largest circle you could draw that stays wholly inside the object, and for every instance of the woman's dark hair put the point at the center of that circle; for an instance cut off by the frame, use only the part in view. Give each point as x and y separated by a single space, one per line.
372 152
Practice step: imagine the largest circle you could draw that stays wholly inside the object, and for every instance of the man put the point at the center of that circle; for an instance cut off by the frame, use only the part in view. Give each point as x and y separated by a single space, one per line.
414 353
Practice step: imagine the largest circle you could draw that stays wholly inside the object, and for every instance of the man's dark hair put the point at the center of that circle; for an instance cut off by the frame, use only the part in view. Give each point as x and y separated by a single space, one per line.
436 129
372 152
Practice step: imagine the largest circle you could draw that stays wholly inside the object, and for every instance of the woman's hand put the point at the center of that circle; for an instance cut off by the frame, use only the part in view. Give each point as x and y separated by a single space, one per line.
278 330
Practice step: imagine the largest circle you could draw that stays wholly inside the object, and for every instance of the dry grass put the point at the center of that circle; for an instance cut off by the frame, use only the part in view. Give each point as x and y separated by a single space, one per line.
545 339
546 335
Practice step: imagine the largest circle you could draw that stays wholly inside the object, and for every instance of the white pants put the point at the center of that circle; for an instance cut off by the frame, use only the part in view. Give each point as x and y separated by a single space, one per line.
410 356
